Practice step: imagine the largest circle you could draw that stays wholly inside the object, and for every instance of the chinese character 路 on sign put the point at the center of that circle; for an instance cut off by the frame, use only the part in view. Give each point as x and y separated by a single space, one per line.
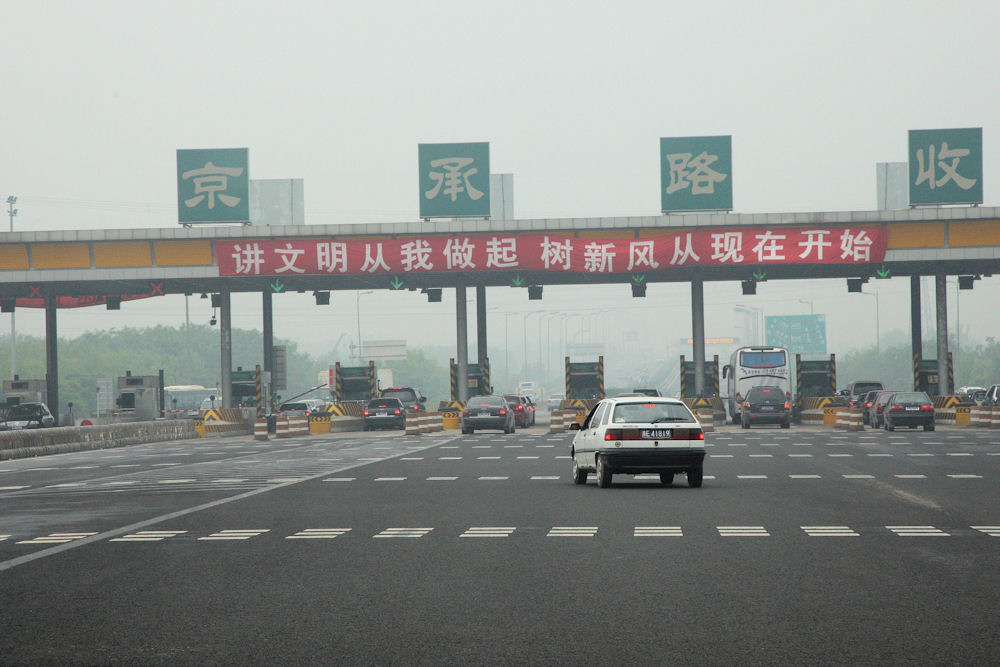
946 166
213 185
454 180
696 174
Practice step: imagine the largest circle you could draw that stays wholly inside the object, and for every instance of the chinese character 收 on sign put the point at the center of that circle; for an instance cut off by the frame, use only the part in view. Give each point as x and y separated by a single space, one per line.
946 166
696 173
213 185
454 180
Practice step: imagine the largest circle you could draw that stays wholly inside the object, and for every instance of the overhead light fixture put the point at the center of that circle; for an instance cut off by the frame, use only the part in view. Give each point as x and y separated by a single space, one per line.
433 294
322 298
854 284
212 321
113 302
749 286
534 292
204 295
967 282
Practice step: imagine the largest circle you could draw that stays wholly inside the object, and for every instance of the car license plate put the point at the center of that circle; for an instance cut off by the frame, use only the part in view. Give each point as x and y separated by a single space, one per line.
767 408
912 409
656 434
484 414
381 413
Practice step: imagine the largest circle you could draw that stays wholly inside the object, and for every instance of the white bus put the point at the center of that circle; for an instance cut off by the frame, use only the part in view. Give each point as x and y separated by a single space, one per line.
186 400
752 366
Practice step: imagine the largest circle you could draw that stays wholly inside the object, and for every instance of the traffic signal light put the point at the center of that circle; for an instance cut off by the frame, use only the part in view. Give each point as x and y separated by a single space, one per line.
749 286
534 292
433 294
322 298
113 302
638 289
854 284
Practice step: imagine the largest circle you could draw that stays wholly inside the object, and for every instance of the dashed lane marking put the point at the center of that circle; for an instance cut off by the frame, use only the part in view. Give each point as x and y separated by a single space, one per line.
148 536
441 479
657 531
236 534
859 476
491 479
545 477
489 458
449 458
4 537
318 534
992 531
339 479
411 458
57 538
390 479
911 476
805 476
488 531
528 457
743 531
14 488
751 477
572 531
966 476
800 456
829 531
403 532
917 531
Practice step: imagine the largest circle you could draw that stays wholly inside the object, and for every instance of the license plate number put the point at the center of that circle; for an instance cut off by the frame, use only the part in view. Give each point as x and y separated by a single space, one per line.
381 413
912 409
656 434
484 414
766 408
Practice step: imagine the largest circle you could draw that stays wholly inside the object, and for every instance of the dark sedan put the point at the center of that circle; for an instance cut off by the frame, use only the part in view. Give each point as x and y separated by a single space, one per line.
766 405
909 408
28 415
523 410
384 413
491 412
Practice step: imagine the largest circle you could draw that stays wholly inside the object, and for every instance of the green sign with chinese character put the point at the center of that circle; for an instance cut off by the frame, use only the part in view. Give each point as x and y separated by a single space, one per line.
213 185
946 166
696 173
799 334
454 180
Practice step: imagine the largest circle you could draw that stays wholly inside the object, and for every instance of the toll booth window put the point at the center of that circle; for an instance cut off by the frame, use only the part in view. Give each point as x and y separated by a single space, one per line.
127 401
762 359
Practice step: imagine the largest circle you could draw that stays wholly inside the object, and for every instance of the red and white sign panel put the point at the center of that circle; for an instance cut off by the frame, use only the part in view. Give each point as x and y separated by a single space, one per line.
553 252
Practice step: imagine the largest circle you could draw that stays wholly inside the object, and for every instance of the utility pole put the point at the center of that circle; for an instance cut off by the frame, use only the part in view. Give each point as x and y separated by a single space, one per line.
11 211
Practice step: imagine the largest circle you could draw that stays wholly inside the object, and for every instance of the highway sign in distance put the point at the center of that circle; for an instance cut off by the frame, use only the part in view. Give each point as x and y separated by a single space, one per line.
213 185
454 180
696 173
800 334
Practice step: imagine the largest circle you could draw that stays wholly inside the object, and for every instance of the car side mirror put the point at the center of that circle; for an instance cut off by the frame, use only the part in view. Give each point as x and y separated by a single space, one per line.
575 426
423 399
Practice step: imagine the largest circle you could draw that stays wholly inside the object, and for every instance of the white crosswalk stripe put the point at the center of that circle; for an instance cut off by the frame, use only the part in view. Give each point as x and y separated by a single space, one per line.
236 534
917 531
829 531
992 531
318 534
403 532
743 531
487 531
572 531
57 538
657 531
148 536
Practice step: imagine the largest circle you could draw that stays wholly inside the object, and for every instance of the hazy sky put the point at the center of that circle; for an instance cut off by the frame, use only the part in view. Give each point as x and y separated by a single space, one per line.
572 96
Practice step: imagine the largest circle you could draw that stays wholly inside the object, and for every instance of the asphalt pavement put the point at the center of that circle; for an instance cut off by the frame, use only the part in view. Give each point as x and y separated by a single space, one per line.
806 545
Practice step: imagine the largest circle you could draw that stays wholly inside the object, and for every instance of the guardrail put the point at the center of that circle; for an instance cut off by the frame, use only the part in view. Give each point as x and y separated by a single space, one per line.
63 439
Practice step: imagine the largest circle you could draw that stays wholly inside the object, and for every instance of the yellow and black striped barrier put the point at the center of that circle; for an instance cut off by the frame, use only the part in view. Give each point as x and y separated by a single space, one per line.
319 423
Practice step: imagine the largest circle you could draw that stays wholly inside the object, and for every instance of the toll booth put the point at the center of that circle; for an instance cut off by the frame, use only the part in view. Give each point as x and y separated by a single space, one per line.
139 396
711 378
925 375
585 379
813 379
19 391
249 389
353 383
478 379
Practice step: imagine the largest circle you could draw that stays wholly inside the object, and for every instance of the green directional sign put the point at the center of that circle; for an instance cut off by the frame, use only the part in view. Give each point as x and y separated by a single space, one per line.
213 185
517 281
696 173
454 180
802 334
883 272
277 286
946 166
759 275
638 278
396 283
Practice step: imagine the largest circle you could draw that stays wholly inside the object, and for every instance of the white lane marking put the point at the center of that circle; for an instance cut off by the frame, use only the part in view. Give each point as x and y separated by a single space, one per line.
449 458
236 534
958 454
411 458
370 459
284 480
65 485
720 456
446 447
859 476
545 477
527 457
57 538
14 488
572 531
3 537
737 444
318 534
800 456
805 476
512 446
966 476
770 444
883 455
482 446
762 456
564 457
829 531
992 531
403 532
339 479
148 536
545 446
911 476
802 444
751 477
840 455
493 478
742 531
390 479
175 481
441 479
488 458
657 531
84 467
488 531
920 455
227 480
917 531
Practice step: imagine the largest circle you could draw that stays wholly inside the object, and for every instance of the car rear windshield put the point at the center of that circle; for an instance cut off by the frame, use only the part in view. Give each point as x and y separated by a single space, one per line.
404 395
294 406
23 412
644 413
384 403
865 387
513 399
911 397
477 401
766 395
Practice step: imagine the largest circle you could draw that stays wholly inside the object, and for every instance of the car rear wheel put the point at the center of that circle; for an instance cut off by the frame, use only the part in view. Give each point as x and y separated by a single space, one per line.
785 425
666 478
579 474
603 473
695 477
889 426
929 427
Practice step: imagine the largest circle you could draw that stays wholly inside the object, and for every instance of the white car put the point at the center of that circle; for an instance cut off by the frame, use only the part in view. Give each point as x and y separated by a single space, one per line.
634 435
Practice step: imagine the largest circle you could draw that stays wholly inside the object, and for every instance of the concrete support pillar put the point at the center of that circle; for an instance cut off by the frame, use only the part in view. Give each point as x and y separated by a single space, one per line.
481 351
51 356
226 346
916 332
698 334
462 339
268 365
941 294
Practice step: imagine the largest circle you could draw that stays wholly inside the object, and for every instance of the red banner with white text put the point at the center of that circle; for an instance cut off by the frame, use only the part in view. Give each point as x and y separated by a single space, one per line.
557 252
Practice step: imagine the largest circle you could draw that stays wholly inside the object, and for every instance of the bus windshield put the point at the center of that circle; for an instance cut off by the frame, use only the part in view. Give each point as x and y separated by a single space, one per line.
762 359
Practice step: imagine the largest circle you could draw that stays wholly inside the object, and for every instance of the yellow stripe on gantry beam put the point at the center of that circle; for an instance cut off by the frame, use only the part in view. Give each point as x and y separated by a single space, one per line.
13 257
60 255
183 253
970 234
915 235
122 253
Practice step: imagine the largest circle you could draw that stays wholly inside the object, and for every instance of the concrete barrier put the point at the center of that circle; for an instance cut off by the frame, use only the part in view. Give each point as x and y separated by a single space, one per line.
344 424
451 419
281 427
995 417
830 416
707 418
979 416
260 428
945 416
298 426
64 439
814 417
319 423
559 420
849 418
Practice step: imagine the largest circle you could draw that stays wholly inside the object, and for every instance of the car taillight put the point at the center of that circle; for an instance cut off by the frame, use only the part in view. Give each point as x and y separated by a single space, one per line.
868 405
367 413
613 434
278 415
696 435
465 411
788 406
307 413
398 411
747 405
926 407
416 407
895 407
502 411
519 408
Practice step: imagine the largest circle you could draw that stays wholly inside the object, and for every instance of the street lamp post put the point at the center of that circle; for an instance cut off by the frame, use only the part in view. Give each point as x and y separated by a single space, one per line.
11 211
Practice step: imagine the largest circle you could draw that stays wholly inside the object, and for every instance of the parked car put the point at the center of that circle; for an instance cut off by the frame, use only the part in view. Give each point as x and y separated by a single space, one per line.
386 412
856 390
909 408
638 435
878 408
411 398
523 412
491 412
766 405
28 415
